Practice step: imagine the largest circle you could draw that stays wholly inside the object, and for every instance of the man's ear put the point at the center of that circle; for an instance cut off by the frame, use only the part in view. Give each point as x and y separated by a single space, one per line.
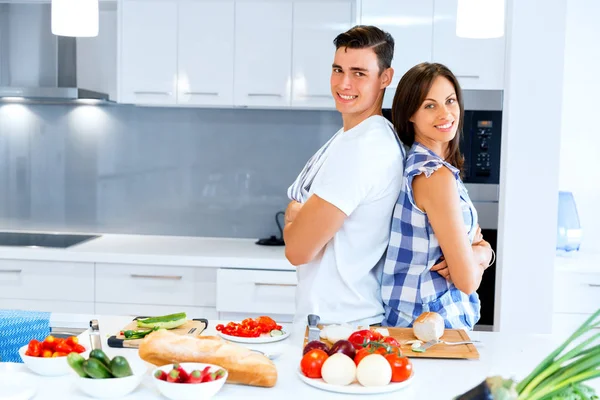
386 77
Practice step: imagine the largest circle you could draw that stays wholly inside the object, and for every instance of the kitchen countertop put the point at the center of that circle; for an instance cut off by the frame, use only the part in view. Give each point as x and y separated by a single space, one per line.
585 262
509 355
162 250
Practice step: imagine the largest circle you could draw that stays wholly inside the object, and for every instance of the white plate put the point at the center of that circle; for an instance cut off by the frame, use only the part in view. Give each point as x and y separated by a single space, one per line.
260 339
354 388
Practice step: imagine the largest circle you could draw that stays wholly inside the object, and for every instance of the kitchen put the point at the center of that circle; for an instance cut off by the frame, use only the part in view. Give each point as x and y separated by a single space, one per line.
205 165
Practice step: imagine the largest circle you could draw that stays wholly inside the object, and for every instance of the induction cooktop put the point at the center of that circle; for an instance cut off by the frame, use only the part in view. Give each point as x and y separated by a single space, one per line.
53 240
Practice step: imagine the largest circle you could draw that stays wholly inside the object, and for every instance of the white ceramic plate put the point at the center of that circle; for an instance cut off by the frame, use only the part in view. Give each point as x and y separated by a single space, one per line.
354 388
261 339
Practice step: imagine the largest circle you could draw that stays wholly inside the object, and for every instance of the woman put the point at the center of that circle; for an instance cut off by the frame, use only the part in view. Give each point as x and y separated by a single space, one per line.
436 255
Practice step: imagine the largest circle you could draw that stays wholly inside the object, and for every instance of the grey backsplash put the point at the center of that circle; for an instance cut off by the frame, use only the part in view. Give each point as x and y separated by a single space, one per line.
149 170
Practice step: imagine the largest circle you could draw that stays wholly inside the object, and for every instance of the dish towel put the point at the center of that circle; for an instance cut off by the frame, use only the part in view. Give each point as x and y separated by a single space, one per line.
17 328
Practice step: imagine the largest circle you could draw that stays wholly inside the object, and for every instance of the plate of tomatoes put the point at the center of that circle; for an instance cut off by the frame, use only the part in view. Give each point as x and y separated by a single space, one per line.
253 330
365 363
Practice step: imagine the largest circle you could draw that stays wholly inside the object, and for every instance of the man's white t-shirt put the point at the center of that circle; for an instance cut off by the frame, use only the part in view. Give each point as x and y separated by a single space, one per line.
361 175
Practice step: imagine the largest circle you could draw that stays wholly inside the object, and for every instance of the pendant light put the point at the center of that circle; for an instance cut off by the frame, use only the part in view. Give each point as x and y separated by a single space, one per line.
75 18
480 19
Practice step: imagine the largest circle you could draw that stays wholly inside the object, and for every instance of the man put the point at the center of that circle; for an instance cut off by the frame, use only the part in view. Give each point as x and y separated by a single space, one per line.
337 226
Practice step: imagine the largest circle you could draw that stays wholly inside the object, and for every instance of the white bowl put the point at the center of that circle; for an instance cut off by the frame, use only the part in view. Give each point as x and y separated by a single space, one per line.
189 391
47 366
113 387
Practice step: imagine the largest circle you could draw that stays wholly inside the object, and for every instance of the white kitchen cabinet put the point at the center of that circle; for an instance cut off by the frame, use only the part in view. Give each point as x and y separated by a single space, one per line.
256 292
54 306
205 53
477 63
155 285
46 281
576 293
263 53
315 25
148 52
411 25
143 310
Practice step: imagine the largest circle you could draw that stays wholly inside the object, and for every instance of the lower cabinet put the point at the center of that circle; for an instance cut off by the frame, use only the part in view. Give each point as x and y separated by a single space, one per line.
243 293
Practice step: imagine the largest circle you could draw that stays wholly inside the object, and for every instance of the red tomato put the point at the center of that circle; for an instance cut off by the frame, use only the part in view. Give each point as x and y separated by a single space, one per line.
312 362
376 336
401 367
63 347
78 348
358 338
72 341
35 348
360 354
391 341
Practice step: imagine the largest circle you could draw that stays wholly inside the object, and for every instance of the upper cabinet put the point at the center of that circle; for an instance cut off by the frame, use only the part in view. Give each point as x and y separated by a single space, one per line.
148 52
205 52
316 24
410 23
263 53
477 63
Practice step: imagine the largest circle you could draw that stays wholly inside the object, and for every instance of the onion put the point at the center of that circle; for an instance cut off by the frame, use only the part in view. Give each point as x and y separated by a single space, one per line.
344 347
315 344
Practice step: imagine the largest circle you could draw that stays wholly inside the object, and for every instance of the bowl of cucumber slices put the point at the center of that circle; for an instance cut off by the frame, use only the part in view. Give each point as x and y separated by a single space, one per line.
101 377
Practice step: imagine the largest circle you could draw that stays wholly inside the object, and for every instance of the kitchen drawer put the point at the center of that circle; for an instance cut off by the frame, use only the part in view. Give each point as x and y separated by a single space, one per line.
565 324
136 310
155 285
256 291
576 292
46 280
71 307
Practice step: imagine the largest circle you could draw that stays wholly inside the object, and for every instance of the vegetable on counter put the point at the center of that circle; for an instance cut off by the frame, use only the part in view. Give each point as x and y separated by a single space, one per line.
138 334
179 375
251 327
166 321
99 365
559 376
54 347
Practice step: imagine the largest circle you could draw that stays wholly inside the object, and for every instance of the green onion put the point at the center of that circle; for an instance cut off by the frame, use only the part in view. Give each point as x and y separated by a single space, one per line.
559 371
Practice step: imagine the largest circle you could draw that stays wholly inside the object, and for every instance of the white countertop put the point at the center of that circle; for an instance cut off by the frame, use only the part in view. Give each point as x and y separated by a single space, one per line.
508 355
162 250
586 262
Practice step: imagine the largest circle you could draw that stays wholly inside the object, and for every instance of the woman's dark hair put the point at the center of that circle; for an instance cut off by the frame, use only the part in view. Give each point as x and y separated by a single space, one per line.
367 36
410 94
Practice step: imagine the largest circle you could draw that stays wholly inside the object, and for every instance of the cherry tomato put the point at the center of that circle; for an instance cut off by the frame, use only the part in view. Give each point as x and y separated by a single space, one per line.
72 341
312 362
401 367
391 341
376 336
219 327
358 338
34 348
360 354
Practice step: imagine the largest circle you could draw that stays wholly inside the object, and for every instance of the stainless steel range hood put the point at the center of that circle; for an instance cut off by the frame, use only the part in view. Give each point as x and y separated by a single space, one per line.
36 65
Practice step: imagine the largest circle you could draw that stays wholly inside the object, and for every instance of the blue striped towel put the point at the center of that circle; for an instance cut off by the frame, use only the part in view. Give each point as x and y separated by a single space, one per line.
17 328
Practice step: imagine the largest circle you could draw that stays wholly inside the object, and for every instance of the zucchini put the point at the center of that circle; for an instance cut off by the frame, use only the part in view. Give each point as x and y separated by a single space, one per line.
276 332
120 368
96 369
75 361
101 356
166 321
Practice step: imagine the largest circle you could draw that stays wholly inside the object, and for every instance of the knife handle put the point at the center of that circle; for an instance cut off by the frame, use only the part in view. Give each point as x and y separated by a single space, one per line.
313 320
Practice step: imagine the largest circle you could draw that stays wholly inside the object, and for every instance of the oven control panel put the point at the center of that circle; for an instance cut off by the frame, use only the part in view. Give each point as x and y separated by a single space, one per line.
480 145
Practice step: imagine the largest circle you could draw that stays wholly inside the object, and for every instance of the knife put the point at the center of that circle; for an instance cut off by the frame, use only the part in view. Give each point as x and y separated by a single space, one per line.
314 333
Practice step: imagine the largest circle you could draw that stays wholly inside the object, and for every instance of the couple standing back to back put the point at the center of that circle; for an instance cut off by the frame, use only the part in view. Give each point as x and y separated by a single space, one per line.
380 225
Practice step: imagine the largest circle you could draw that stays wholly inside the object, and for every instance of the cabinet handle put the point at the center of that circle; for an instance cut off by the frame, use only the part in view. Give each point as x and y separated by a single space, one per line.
275 284
162 277
150 92
594 285
326 96
264 95
202 93
10 271
468 76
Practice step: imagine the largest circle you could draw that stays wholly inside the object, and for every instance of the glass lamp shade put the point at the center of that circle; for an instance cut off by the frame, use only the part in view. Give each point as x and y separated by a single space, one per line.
77 18
480 19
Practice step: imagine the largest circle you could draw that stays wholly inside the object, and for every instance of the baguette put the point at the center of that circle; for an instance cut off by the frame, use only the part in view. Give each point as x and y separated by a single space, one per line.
243 365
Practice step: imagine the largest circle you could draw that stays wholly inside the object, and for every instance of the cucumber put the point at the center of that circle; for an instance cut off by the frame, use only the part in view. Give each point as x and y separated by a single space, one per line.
166 321
100 356
120 368
276 332
75 361
96 369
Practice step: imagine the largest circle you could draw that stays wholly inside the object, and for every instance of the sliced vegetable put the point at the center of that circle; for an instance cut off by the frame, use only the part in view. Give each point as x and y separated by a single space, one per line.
166 321
138 334
277 332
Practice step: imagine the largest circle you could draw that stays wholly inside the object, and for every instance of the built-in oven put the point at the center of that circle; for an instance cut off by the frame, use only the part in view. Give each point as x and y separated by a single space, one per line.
480 145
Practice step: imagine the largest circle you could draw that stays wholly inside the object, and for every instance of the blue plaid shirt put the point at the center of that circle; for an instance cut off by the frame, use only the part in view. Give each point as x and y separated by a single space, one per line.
408 286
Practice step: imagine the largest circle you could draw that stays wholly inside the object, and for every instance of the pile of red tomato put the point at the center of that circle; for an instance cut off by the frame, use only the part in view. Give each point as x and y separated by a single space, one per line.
250 327
359 345
54 347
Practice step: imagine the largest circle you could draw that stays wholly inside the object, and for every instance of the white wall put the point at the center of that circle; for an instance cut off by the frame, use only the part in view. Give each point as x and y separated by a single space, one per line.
529 167
579 169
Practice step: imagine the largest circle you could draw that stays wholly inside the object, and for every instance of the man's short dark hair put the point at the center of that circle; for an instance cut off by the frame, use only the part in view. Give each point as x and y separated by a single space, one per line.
368 36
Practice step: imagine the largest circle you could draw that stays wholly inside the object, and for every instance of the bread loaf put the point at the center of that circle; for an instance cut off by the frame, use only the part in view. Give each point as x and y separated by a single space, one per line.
428 326
243 365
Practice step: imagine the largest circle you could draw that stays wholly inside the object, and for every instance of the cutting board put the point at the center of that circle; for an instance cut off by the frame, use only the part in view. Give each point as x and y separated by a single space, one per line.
193 327
402 335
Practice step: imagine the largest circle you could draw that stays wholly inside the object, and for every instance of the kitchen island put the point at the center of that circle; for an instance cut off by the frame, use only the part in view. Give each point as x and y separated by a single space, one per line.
505 354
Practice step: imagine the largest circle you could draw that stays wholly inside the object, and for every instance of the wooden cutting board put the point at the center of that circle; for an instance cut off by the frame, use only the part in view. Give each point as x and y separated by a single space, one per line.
193 327
402 335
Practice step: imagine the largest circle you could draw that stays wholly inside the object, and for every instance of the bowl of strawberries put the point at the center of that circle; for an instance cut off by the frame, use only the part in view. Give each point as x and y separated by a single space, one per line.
187 381
49 356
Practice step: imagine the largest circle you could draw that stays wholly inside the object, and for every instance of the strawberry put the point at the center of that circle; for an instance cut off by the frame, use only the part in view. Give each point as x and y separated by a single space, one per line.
162 375
195 376
173 376
183 375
